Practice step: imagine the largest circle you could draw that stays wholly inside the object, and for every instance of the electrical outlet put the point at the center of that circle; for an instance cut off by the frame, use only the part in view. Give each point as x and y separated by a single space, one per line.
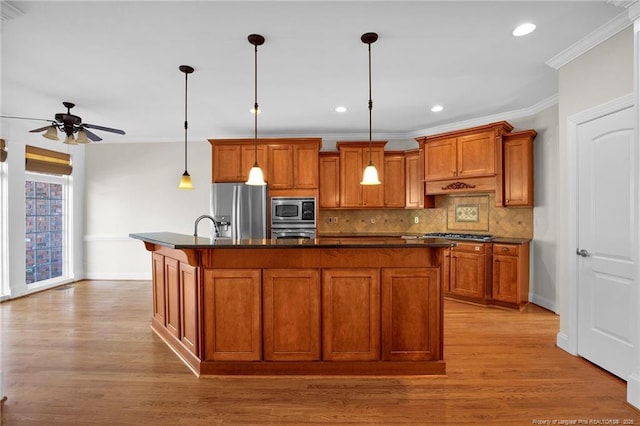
416 219
373 220
335 219
330 219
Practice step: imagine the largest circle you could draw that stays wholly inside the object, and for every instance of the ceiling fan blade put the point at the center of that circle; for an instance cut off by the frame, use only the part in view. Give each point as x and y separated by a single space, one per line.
40 129
104 129
25 118
91 135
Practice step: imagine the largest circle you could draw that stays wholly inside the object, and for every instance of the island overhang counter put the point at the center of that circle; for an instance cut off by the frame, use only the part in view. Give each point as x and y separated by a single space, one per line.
323 306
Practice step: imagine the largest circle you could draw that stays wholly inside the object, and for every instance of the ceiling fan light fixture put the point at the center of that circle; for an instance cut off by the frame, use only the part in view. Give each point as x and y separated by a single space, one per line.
51 133
70 140
82 137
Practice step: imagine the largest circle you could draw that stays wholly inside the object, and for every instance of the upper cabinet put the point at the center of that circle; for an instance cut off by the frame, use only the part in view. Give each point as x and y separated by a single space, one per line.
329 189
354 157
286 163
468 160
394 179
518 168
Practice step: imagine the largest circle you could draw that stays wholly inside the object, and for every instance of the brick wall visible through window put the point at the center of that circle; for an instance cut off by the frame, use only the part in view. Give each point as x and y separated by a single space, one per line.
44 230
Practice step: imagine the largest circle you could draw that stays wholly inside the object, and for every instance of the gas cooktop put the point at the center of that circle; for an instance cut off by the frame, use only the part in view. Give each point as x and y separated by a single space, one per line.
459 236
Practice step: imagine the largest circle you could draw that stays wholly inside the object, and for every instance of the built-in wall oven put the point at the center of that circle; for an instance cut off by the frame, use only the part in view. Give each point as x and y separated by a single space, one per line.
293 217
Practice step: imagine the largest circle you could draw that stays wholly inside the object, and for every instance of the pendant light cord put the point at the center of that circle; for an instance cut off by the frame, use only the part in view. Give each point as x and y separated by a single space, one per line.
186 124
370 107
255 105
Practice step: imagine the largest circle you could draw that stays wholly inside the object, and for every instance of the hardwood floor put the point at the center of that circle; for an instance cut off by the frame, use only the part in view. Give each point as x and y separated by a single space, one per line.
85 355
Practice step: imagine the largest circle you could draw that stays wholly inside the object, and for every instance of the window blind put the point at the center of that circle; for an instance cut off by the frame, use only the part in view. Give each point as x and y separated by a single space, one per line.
42 160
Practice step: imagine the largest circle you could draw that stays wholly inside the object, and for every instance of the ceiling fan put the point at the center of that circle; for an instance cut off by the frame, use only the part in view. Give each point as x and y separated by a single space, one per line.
70 124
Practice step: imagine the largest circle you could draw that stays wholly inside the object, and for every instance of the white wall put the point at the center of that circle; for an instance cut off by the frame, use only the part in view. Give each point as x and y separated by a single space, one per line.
602 74
133 188
542 285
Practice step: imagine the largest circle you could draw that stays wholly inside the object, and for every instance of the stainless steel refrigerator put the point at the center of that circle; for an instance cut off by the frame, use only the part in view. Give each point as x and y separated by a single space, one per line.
239 210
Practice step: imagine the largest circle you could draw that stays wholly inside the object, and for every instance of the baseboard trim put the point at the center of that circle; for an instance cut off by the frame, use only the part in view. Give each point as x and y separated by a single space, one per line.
633 391
562 341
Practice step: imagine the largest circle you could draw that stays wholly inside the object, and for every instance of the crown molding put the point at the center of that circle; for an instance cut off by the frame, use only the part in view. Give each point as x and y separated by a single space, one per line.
9 11
602 33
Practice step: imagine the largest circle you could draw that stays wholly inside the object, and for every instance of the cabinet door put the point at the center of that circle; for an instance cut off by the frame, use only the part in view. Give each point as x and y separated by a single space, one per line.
476 155
305 166
189 312
227 163
440 159
351 169
231 315
329 180
280 166
414 181
249 159
518 171
411 326
468 274
291 305
505 278
394 180
373 195
172 283
350 314
158 288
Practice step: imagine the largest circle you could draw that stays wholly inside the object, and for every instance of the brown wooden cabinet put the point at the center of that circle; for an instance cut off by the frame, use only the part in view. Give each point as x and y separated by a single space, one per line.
354 157
288 163
175 299
189 309
291 314
465 161
518 169
394 179
351 314
470 270
232 315
411 317
329 186
510 284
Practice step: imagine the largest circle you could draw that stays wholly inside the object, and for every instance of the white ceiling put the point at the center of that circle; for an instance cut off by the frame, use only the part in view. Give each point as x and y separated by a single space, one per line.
118 62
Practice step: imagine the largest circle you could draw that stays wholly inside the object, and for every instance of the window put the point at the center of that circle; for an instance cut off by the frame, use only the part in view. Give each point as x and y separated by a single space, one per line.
46 242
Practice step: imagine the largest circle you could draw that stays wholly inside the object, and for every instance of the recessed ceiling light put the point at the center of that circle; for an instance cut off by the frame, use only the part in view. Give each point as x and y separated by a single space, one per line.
437 108
524 29
341 109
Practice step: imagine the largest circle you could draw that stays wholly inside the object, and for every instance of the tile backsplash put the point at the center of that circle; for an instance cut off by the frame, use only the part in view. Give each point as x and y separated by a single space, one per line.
502 222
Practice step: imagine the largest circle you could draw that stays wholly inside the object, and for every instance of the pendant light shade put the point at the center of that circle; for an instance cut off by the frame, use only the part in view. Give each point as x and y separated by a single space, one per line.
185 179
370 176
82 137
256 177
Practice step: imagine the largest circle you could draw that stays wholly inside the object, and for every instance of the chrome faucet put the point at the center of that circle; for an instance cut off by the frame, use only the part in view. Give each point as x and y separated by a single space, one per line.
195 226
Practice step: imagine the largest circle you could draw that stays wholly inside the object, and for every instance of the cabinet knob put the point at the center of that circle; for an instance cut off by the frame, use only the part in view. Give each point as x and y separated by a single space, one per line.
504 249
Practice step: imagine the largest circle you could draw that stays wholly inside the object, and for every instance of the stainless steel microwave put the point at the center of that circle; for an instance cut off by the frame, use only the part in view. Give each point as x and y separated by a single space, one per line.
298 211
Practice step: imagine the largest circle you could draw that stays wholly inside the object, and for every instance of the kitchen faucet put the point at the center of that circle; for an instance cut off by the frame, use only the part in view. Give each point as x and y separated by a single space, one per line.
195 226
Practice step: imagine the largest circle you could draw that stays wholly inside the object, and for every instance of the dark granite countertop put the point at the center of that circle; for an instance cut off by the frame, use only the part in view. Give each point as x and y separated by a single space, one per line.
182 241
410 235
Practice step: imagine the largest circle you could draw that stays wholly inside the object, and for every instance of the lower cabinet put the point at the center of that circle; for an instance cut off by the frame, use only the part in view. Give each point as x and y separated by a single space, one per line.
231 315
351 314
510 284
175 300
469 270
291 313
411 311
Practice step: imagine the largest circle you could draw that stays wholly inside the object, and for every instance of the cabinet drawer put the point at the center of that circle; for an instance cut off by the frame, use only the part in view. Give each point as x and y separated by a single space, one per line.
505 249
470 247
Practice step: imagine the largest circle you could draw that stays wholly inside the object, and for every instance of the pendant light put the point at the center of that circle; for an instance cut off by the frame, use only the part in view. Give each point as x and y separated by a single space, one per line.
256 177
370 176
185 180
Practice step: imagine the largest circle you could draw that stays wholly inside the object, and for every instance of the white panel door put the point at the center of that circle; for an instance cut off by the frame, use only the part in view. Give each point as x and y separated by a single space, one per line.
606 241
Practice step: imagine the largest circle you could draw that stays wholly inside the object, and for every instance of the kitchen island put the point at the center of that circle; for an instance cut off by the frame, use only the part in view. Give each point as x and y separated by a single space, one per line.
323 306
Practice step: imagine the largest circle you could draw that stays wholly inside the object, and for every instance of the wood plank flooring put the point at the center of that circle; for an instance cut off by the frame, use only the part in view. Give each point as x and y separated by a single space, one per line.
85 355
